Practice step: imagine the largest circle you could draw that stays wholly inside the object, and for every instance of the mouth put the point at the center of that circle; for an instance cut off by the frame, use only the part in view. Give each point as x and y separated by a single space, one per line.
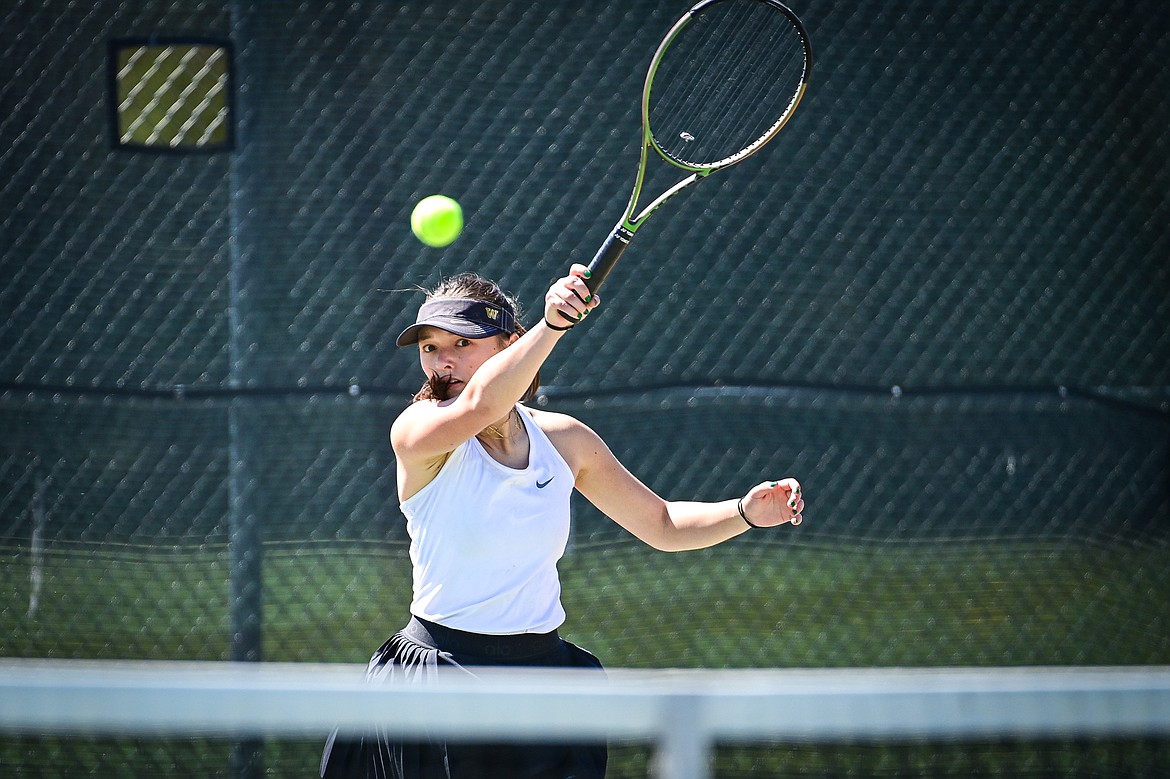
445 386
452 389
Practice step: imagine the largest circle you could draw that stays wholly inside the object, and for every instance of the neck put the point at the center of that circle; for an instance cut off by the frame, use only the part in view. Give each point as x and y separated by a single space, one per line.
503 431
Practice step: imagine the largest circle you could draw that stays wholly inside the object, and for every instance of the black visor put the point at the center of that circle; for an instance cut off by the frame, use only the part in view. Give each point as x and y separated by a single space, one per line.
461 316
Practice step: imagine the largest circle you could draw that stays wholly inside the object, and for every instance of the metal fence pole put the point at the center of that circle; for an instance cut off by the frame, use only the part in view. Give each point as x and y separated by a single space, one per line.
245 532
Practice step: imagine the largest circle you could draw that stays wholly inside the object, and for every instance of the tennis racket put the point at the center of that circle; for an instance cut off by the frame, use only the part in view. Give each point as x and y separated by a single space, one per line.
727 76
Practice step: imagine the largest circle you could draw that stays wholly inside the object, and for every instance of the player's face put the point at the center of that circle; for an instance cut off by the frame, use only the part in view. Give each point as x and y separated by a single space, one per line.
447 354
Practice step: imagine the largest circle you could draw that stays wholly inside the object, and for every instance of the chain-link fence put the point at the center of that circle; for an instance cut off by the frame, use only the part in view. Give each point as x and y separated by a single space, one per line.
940 298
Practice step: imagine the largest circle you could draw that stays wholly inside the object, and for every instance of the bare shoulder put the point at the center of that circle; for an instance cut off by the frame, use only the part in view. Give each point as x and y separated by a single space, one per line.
412 434
557 424
575 440
401 427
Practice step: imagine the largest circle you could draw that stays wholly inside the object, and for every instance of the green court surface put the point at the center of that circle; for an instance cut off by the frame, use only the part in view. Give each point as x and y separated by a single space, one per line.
739 605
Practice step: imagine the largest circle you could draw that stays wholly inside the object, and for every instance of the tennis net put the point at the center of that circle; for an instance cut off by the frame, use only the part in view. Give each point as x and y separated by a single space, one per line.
685 724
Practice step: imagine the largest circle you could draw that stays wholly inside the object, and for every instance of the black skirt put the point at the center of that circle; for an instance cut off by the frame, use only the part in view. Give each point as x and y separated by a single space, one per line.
417 652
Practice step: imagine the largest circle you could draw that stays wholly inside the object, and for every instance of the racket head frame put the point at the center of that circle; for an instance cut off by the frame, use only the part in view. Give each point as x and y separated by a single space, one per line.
632 221
622 233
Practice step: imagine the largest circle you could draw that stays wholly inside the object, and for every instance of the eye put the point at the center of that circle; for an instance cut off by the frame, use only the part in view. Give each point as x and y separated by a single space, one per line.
463 342
427 348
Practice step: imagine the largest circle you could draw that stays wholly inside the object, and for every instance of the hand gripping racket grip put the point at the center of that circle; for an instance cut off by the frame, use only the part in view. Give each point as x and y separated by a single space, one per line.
607 256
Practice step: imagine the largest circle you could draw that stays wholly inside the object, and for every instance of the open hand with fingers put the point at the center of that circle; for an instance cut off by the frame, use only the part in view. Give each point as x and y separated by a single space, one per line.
773 503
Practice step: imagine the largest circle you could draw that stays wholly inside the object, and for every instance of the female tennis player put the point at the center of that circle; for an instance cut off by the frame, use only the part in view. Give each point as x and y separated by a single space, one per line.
484 483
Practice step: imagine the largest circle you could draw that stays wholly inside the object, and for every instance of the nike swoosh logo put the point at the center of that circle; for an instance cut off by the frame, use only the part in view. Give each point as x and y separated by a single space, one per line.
540 485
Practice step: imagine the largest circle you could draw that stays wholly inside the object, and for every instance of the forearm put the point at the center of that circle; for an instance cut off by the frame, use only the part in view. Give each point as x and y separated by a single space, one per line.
503 379
693 525
696 525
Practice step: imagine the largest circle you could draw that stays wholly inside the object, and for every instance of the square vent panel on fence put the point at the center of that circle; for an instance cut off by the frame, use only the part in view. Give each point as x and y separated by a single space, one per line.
171 94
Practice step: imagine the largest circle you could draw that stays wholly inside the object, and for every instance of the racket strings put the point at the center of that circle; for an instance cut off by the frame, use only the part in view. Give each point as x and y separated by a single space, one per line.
726 82
741 111
700 86
779 89
739 59
689 80
712 93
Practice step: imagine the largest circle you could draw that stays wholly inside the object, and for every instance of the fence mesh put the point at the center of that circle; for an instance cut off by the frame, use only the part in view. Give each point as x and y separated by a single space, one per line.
940 298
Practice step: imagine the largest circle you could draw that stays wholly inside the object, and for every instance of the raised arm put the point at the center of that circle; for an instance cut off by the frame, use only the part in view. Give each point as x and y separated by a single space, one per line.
484 390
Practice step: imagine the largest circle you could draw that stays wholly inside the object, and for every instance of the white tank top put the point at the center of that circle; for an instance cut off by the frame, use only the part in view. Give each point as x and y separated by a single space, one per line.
485 539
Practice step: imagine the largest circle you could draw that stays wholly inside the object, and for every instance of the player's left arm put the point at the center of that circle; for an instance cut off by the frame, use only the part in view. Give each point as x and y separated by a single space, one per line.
666 524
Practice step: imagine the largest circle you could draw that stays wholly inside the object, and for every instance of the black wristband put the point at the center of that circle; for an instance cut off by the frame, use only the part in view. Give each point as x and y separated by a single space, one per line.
551 326
739 507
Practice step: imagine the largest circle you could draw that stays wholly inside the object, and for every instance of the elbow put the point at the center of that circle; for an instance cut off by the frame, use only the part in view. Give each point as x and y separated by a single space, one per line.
658 543
668 547
665 536
673 543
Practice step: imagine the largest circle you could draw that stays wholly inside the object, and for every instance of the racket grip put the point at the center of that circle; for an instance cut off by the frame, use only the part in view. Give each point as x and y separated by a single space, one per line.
607 256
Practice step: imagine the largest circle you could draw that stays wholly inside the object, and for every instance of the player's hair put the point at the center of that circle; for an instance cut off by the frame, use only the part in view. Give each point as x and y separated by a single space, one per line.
476 287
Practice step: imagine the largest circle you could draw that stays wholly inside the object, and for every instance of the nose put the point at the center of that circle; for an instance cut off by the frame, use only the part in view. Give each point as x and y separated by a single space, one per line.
443 359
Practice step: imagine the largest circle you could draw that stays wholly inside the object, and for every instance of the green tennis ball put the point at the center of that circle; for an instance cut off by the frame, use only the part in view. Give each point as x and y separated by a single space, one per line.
437 220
